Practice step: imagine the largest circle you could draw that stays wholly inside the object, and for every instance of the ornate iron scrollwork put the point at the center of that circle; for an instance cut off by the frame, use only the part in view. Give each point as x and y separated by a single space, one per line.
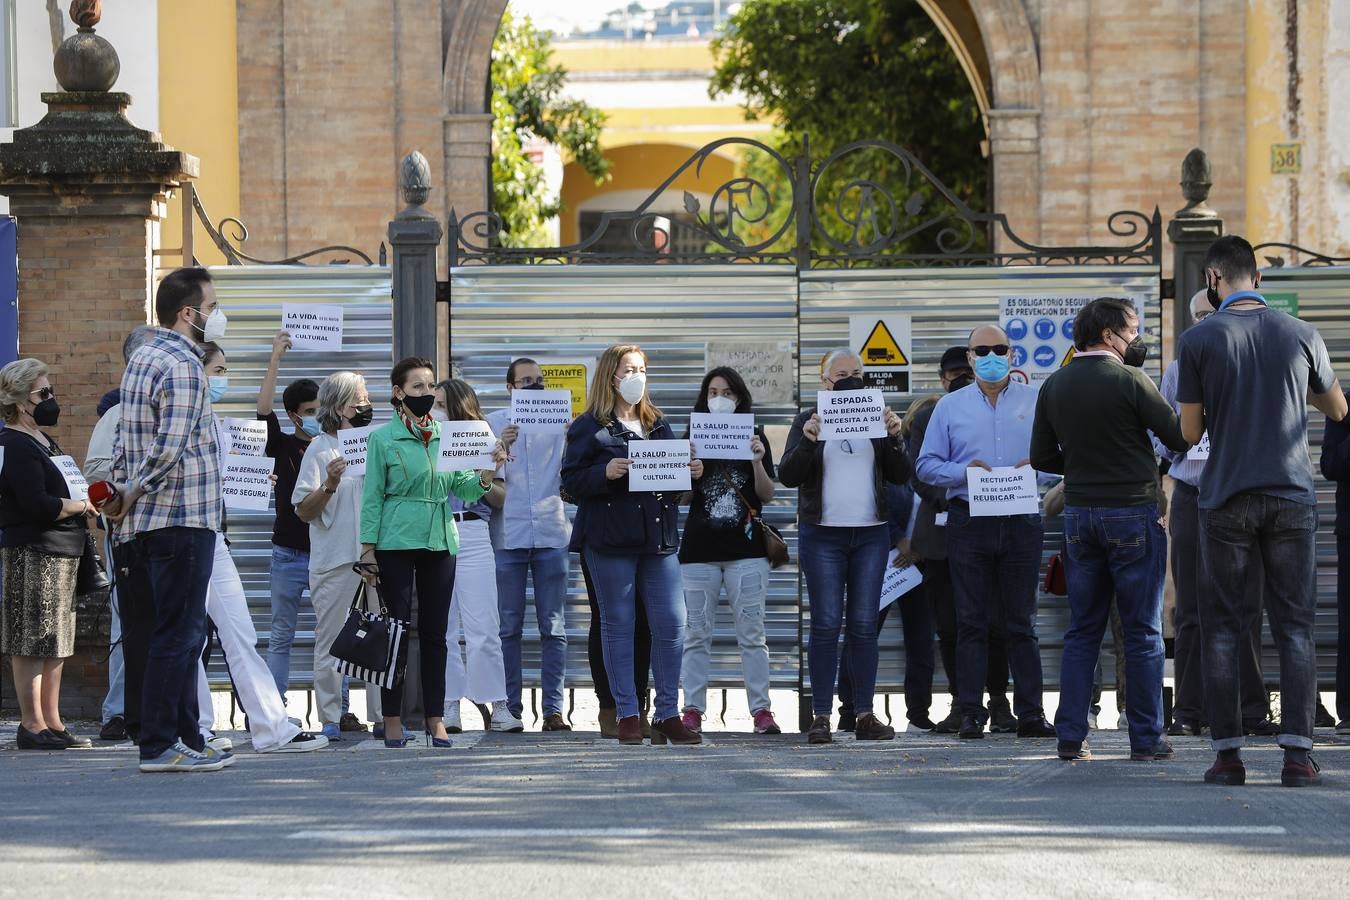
1309 257
234 253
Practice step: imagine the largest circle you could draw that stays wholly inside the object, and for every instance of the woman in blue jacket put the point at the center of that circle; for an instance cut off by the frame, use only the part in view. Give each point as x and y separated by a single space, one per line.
629 538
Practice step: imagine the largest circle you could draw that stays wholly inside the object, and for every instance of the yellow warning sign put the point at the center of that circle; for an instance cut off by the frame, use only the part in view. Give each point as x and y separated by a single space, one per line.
567 375
1067 356
881 348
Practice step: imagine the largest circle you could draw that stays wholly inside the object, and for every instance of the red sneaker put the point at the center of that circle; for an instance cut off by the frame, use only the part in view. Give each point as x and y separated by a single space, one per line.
693 720
764 723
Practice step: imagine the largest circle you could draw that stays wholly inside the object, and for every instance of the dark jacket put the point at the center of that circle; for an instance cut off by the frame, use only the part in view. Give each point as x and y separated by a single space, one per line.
610 518
31 491
1336 467
929 540
803 467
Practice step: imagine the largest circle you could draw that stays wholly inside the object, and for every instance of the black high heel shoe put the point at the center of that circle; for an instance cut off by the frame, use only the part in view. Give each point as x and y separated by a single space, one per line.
43 740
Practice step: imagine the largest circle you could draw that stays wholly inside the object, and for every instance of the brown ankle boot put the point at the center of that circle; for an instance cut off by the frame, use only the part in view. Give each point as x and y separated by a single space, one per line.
673 730
609 723
630 732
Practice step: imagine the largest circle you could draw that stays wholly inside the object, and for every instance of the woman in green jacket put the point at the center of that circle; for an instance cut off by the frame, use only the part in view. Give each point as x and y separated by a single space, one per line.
408 535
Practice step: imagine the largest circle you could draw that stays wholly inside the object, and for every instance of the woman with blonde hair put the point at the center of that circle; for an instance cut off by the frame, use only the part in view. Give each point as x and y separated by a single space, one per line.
628 538
44 535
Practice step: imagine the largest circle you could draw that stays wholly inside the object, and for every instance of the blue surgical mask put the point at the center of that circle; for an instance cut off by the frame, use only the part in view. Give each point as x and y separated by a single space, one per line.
310 425
991 368
219 385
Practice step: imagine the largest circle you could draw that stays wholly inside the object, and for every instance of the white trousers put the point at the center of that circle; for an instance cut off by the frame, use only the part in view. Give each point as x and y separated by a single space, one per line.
331 593
228 609
474 613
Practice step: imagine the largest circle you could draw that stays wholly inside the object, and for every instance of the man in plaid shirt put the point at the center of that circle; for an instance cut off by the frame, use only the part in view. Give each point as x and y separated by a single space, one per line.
170 500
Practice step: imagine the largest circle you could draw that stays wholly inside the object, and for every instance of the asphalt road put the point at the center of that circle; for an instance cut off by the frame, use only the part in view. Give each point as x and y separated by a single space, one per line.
563 815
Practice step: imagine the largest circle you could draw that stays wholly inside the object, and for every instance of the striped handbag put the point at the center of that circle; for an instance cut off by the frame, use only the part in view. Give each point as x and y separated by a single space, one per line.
367 646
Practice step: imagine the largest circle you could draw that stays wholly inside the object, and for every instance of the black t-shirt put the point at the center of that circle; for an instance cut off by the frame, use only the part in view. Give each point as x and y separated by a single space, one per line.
715 529
287 450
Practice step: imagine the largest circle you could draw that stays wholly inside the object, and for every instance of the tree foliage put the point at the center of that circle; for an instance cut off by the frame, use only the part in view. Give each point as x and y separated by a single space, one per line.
528 101
840 71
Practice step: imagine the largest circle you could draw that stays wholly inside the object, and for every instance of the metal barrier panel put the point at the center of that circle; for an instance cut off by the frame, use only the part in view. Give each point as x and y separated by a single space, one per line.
1323 294
944 305
251 297
574 312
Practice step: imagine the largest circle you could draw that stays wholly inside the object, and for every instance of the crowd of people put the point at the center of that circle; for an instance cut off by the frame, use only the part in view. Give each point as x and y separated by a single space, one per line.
462 545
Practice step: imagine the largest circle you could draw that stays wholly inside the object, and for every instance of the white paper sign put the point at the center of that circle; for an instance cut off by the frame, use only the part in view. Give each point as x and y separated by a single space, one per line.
353 442
541 410
243 437
70 471
898 582
659 466
246 482
465 445
1005 491
725 436
851 414
1200 452
312 327
768 368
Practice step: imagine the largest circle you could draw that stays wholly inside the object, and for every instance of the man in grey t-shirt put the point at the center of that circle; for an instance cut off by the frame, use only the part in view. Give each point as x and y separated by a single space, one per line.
1247 374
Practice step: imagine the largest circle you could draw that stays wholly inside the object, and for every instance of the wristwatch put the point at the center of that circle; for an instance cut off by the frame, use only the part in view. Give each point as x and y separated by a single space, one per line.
323 486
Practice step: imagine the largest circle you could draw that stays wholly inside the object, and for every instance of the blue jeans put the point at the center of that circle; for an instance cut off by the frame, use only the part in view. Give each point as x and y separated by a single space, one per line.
1247 533
179 563
657 577
995 563
843 568
549 567
290 580
916 617
1120 551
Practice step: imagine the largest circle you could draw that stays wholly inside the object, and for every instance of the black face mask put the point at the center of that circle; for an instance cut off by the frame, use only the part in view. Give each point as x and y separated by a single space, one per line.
1136 351
959 382
364 415
851 383
47 412
1212 293
533 387
419 406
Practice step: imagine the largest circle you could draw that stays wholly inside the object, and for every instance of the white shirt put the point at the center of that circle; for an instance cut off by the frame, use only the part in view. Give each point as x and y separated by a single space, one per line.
848 495
335 536
532 514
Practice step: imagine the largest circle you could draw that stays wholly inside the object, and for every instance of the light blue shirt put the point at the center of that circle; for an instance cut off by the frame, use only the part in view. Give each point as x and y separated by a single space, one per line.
966 427
533 514
1183 469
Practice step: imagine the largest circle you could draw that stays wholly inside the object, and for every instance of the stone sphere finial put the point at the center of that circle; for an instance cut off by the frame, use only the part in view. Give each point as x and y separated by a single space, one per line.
1195 183
85 61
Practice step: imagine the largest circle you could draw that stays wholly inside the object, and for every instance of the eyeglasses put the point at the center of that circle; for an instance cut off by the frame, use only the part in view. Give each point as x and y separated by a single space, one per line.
43 393
846 446
529 382
985 349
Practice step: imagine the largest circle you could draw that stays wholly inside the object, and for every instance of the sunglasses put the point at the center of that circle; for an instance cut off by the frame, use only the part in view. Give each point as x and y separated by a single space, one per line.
43 393
985 349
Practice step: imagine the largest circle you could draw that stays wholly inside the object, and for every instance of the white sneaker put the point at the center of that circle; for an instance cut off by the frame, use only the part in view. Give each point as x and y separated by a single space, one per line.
220 742
303 742
502 720
1092 721
452 723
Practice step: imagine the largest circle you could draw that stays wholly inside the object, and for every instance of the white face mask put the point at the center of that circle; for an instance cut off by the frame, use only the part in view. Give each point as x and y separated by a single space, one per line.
439 415
214 329
632 387
721 405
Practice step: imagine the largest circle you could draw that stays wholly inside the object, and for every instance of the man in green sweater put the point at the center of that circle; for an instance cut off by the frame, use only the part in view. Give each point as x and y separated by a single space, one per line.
1093 419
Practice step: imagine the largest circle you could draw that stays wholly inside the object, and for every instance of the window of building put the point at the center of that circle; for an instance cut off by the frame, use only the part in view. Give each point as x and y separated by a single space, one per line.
9 96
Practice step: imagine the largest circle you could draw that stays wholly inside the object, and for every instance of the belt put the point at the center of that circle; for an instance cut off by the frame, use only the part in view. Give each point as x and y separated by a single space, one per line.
468 517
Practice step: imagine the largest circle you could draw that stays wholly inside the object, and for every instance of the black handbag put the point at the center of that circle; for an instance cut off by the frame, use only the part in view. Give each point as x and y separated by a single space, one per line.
364 639
91 578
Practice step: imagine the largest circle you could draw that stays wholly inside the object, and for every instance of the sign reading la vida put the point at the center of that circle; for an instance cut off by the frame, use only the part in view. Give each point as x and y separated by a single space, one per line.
885 346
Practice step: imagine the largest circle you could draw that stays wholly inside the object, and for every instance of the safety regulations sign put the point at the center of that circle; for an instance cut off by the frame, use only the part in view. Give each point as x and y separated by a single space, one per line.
1040 330
884 345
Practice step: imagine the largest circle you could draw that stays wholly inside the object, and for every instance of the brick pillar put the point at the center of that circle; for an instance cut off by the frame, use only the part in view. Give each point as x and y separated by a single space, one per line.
1015 144
86 187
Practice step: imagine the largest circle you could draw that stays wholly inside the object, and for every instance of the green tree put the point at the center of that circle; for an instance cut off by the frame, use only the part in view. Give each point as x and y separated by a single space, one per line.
840 71
527 100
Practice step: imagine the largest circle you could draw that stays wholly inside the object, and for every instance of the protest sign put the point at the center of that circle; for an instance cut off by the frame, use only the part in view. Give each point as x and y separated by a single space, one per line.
1004 491
243 437
465 445
724 436
659 466
1200 452
246 482
70 471
851 414
898 582
571 375
540 411
311 326
353 441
